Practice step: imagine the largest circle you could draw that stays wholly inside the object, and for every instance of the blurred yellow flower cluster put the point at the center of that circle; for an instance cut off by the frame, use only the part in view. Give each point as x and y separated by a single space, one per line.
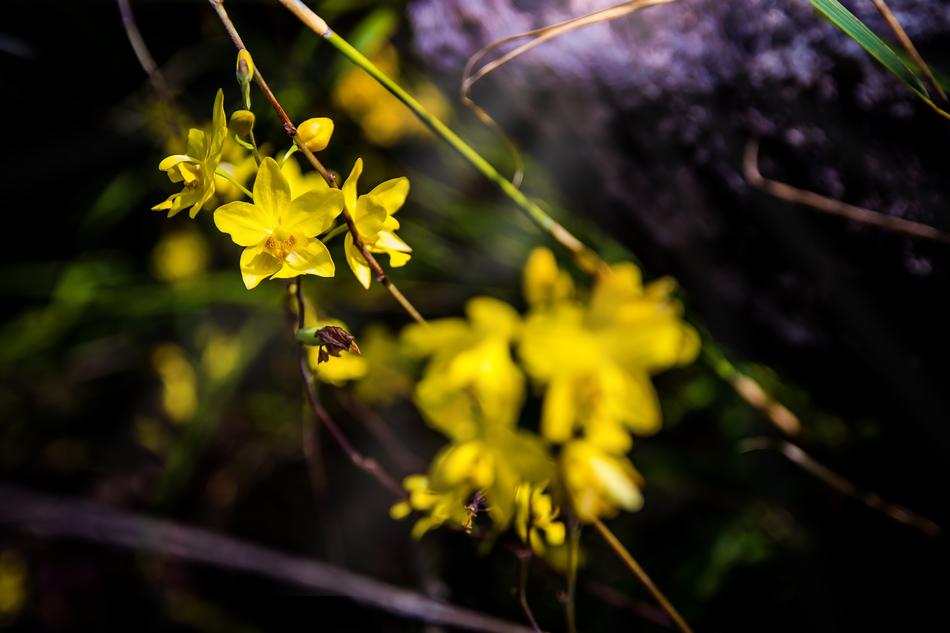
382 120
590 357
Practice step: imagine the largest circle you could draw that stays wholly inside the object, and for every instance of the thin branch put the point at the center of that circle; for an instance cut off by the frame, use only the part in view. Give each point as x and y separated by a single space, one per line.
835 481
327 175
401 454
147 62
367 464
642 576
908 45
524 561
50 516
751 391
830 205
573 554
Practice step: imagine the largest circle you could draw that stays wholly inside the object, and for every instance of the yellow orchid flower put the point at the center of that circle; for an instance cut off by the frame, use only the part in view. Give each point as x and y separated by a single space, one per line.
301 182
471 379
278 232
196 168
536 514
596 359
373 217
598 482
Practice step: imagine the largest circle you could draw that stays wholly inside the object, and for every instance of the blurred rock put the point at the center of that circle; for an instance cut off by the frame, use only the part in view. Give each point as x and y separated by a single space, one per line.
642 122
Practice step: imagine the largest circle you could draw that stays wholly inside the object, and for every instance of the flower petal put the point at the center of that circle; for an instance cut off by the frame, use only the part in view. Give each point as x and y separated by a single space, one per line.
312 258
243 221
391 194
349 187
391 242
271 191
559 410
169 162
219 128
197 144
313 212
368 218
357 263
256 265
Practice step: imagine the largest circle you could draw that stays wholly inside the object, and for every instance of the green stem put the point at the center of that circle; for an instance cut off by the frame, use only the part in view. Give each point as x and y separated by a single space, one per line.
290 152
230 178
334 232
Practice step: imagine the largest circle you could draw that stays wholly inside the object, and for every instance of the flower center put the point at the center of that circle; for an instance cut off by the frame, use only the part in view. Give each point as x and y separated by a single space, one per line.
280 245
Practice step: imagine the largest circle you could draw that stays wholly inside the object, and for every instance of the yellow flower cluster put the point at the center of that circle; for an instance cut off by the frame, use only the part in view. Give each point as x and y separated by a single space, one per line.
592 359
281 227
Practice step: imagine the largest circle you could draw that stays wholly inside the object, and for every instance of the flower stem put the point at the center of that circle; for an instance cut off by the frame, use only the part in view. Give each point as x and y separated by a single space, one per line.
524 562
366 464
573 554
230 178
336 231
641 575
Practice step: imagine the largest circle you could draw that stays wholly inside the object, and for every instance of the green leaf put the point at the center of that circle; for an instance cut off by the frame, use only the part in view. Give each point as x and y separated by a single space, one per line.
876 47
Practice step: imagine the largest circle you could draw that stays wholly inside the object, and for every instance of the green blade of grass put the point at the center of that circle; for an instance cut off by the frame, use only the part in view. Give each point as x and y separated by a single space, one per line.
876 47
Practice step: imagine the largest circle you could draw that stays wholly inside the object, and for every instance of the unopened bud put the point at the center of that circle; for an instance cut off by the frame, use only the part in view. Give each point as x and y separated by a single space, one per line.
315 133
242 122
245 67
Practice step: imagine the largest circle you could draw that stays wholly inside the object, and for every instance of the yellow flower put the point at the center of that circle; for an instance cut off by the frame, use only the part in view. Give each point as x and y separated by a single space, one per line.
180 256
596 359
279 233
373 216
299 181
471 379
535 513
237 163
196 168
439 508
599 483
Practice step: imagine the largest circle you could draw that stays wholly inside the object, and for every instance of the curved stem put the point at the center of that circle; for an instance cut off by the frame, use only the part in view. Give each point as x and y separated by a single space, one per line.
524 561
642 576
230 178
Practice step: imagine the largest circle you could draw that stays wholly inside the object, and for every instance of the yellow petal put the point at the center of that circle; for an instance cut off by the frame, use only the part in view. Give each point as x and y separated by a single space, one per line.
219 128
559 410
555 533
391 194
169 162
544 282
400 510
312 258
256 265
271 191
369 218
313 212
357 264
244 222
349 187
197 144
397 259
391 242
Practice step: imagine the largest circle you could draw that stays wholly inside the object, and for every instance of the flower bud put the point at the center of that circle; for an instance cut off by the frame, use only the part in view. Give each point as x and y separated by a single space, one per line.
315 133
242 122
245 67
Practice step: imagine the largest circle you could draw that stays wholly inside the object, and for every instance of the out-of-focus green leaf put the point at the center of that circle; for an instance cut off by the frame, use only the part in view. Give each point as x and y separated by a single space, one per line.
876 47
